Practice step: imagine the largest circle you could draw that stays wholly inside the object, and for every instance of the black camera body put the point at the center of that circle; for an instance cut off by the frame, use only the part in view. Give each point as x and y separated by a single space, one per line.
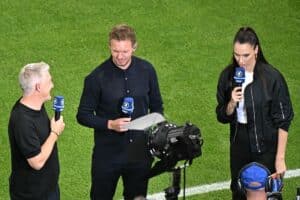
171 143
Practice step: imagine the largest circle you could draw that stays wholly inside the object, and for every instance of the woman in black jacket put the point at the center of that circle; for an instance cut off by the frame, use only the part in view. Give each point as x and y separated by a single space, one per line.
259 111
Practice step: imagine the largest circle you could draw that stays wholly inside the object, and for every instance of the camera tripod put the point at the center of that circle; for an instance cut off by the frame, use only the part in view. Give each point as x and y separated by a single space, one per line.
172 192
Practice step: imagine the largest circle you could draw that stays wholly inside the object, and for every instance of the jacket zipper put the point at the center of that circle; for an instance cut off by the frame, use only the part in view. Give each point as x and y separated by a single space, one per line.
255 131
235 132
281 108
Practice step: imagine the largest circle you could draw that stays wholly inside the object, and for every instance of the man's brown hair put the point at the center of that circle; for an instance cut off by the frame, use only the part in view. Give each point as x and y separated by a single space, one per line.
123 32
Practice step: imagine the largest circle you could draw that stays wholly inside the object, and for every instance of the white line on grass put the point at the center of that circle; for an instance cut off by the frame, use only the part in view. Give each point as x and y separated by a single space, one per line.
214 187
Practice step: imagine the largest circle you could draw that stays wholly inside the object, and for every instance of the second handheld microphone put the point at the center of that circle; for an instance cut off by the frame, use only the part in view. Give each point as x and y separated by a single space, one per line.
239 77
127 106
58 106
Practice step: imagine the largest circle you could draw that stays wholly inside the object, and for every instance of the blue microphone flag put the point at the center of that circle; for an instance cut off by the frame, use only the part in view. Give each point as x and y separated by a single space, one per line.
239 75
58 103
128 105
58 106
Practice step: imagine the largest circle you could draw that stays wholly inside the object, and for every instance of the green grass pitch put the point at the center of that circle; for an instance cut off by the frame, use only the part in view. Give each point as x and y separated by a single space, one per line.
189 43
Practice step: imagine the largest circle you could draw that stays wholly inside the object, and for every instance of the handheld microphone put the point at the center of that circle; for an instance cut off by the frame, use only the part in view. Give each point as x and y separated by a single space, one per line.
58 106
274 187
239 77
277 185
128 106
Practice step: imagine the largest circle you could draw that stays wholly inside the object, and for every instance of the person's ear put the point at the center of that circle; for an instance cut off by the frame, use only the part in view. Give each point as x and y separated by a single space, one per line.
37 87
256 50
134 46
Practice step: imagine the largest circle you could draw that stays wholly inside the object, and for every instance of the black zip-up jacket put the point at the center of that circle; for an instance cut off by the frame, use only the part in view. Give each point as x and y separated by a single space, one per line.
267 103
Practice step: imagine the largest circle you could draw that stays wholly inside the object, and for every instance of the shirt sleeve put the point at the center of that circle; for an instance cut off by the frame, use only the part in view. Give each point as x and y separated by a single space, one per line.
27 138
88 104
222 100
281 110
156 103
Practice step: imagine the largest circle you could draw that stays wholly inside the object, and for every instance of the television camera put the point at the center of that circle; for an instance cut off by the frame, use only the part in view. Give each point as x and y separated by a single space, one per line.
170 144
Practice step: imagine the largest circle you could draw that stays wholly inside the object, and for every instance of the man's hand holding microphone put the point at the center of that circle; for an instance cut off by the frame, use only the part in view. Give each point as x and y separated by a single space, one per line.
120 124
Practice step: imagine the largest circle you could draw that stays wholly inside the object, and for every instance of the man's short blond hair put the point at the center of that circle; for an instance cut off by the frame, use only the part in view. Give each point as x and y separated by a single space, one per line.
30 75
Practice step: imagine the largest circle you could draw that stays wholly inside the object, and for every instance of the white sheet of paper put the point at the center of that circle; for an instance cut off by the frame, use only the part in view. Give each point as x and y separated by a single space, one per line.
146 121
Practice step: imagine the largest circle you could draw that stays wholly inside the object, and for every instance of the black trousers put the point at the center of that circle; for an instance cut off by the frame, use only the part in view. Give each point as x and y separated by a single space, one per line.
105 179
53 195
240 155
115 158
